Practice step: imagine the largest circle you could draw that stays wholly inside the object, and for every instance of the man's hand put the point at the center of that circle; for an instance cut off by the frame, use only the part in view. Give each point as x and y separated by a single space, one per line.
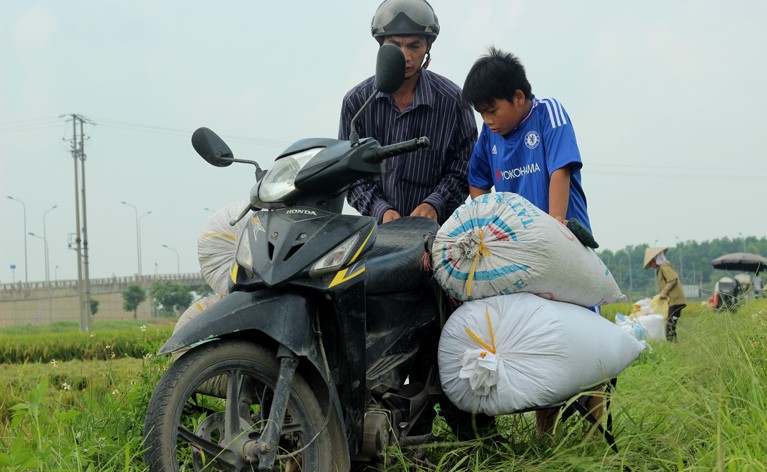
663 296
390 215
425 210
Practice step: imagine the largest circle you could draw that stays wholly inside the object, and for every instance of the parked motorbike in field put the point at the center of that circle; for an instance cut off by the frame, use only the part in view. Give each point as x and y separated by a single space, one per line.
304 365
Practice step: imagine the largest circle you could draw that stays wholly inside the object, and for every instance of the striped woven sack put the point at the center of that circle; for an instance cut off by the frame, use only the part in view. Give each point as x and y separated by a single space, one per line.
500 243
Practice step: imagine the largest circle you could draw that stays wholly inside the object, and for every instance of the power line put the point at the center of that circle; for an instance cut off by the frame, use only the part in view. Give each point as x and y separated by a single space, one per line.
31 120
756 175
185 132
29 125
634 170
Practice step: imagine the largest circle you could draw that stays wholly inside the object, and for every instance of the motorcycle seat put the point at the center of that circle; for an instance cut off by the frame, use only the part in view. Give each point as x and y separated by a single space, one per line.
396 262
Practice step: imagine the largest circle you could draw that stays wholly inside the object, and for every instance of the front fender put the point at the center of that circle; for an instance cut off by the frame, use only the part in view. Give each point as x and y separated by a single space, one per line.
283 316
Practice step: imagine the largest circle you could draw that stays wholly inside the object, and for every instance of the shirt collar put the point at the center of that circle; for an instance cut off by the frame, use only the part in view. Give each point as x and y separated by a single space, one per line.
423 92
529 114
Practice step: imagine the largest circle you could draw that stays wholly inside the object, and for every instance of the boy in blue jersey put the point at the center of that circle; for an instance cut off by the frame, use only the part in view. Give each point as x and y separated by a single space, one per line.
526 146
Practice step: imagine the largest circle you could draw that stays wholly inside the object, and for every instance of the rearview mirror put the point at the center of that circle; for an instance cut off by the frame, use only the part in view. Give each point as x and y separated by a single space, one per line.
212 148
390 68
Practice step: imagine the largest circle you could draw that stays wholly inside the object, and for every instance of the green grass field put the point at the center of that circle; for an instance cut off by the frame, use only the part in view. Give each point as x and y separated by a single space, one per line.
698 404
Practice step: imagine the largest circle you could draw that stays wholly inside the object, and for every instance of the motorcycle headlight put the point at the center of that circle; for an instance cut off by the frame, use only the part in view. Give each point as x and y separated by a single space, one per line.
336 258
279 182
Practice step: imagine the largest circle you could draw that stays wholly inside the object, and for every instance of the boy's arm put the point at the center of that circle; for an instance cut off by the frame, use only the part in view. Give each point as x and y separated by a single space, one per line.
559 193
474 192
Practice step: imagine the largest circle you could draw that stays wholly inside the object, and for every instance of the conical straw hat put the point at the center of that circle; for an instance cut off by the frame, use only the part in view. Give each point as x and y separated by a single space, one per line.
651 253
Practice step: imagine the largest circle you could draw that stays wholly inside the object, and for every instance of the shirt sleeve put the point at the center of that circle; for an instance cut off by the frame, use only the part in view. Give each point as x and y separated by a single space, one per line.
480 171
453 188
365 196
559 138
668 274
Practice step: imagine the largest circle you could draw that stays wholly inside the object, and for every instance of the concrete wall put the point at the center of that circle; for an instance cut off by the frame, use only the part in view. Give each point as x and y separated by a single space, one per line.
35 304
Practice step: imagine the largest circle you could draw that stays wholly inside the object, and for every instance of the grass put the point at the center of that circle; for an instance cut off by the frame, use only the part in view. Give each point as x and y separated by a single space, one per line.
698 404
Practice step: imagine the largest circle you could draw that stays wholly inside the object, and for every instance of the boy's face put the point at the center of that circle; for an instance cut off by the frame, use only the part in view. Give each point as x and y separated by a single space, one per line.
502 115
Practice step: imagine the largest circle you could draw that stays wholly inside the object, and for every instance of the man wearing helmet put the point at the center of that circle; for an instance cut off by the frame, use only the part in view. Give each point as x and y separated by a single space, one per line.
431 182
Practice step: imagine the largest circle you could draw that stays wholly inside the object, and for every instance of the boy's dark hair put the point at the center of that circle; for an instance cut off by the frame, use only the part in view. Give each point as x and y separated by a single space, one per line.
497 75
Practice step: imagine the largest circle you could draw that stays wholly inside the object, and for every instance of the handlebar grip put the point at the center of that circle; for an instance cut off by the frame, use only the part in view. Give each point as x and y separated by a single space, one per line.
385 152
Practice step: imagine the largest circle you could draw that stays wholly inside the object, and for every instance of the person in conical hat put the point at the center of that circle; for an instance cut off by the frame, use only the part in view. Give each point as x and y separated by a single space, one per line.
669 285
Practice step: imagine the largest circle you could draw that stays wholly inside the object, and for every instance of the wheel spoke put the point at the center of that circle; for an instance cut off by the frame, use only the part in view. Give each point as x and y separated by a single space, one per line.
232 415
214 452
235 406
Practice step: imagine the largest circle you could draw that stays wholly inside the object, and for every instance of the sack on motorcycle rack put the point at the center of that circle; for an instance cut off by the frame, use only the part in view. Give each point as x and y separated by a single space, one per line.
217 245
509 353
500 243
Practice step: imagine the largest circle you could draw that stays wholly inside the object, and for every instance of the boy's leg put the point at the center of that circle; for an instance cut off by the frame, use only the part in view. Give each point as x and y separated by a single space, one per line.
544 421
596 406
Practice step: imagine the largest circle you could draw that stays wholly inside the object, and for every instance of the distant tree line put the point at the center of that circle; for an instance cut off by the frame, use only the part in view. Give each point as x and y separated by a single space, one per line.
691 259
169 298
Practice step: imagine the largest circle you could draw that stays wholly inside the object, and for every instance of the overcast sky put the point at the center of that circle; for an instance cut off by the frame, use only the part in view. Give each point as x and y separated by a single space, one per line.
667 99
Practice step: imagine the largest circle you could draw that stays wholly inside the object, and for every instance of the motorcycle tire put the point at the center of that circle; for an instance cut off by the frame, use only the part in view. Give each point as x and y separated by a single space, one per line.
180 413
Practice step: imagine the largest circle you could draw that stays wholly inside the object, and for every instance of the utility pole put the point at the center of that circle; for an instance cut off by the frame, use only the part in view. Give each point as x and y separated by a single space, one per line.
87 299
81 238
631 277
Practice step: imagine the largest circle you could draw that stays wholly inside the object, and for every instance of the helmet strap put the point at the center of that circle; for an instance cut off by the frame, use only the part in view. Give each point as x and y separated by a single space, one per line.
426 61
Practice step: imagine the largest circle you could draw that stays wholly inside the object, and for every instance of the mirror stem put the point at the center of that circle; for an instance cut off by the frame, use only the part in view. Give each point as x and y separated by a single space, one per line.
354 138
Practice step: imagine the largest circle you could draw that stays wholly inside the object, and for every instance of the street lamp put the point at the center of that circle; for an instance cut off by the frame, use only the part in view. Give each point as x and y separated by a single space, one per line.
47 271
138 233
26 271
45 246
141 217
45 237
178 266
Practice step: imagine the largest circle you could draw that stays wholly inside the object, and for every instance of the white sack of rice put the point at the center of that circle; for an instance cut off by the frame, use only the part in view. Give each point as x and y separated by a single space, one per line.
217 244
508 353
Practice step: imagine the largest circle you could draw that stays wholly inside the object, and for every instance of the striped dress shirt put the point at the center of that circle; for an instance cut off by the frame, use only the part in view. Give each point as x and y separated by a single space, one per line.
437 175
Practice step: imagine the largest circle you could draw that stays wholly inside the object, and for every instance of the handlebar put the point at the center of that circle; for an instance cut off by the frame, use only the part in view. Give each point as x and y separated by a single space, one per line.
385 152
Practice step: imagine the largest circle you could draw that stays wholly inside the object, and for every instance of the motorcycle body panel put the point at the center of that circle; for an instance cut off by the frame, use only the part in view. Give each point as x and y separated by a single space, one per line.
284 317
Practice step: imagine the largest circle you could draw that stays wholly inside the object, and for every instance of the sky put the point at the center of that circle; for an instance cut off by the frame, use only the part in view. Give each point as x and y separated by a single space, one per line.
667 101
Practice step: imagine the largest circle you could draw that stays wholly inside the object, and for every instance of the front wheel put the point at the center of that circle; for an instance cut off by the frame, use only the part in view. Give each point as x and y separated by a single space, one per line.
211 407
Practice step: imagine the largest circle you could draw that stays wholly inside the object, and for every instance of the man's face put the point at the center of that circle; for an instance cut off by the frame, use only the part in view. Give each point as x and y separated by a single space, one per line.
414 48
502 115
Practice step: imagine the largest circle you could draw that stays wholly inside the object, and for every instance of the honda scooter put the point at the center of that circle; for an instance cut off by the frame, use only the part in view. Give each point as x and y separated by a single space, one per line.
314 361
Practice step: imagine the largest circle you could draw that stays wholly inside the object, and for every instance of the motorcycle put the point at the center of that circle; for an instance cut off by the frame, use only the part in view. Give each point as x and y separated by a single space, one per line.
318 359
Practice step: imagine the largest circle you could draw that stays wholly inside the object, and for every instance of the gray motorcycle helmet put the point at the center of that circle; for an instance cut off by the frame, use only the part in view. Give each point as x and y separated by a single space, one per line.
403 18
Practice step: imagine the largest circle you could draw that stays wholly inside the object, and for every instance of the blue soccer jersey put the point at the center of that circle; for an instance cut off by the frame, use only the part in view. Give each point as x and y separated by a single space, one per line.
523 161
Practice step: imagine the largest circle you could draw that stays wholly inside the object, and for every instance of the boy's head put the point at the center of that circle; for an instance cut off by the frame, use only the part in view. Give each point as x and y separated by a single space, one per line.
498 89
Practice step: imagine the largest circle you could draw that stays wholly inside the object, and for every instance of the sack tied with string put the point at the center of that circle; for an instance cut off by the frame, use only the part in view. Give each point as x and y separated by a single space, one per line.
504 354
500 243
217 244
